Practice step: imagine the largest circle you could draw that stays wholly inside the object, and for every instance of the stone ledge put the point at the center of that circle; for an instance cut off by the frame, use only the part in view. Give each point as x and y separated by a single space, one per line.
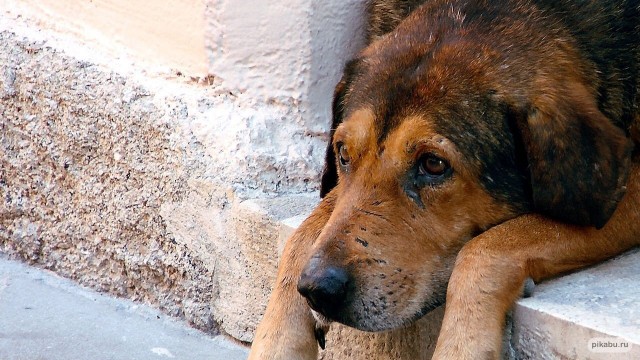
564 314
247 266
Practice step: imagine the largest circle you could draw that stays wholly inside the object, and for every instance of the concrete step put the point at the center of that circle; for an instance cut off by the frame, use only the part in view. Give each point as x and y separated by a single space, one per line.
44 316
591 314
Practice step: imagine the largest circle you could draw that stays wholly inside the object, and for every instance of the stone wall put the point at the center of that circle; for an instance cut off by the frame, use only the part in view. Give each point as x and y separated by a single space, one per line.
142 186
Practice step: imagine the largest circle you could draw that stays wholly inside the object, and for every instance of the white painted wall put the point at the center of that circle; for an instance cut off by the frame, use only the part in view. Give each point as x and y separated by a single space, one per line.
169 35
285 49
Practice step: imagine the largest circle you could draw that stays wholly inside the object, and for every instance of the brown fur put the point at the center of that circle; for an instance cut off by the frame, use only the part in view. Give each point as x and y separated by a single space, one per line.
384 16
534 112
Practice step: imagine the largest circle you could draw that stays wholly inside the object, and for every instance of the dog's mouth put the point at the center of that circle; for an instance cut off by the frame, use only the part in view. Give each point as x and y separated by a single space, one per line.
371 314
323 323
370 321
321 320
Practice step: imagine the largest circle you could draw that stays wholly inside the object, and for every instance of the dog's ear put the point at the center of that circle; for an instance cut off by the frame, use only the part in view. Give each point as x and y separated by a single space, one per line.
330 172
578 159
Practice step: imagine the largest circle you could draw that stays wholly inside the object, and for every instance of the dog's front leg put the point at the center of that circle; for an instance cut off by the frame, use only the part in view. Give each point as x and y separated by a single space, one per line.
491 269
286 331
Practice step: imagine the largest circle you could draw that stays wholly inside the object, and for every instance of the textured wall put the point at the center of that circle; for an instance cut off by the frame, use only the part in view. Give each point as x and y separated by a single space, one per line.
285 49
137 188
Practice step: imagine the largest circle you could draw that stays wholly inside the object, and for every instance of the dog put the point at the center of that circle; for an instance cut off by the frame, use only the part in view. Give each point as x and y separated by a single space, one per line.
474 144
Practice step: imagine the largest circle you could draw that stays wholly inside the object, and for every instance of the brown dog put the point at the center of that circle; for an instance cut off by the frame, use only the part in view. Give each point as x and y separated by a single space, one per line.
477 144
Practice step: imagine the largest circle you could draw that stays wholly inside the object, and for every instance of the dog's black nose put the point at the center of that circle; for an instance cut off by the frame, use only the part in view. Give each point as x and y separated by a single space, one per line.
325 287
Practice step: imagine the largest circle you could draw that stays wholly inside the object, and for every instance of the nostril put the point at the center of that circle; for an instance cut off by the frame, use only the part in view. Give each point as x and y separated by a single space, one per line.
325 288
333 283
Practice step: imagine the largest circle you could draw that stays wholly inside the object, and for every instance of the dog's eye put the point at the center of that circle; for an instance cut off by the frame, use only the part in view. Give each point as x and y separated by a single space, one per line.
432 165
343 154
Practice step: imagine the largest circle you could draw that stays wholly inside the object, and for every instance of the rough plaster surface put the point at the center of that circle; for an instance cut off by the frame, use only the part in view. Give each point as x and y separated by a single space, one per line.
135 185
292 50
289 51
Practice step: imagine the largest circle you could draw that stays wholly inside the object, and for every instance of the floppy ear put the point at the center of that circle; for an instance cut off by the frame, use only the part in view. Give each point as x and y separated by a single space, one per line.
578 159
330 172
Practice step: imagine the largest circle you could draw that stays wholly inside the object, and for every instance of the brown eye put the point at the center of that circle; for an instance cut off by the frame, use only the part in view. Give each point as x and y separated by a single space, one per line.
343 154
433 165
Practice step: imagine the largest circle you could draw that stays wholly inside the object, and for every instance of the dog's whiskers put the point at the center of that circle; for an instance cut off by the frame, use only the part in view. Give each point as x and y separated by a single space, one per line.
370 213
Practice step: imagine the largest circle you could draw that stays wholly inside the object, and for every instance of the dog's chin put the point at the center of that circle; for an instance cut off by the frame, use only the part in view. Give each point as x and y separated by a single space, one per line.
379 322
321 320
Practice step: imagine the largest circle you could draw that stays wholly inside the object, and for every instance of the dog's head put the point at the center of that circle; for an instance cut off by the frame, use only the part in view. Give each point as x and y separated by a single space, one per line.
435 142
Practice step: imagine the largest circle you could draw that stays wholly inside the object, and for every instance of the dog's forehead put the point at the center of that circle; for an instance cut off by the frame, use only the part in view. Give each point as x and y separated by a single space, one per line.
395 90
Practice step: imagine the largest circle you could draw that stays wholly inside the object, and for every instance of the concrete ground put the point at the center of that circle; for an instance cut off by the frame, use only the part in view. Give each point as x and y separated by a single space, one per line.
46 317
